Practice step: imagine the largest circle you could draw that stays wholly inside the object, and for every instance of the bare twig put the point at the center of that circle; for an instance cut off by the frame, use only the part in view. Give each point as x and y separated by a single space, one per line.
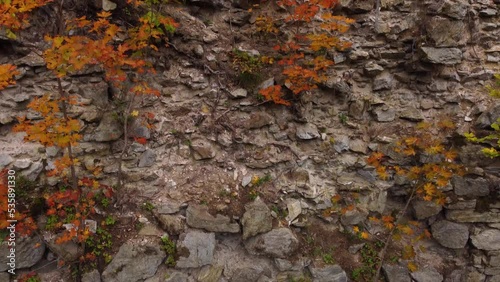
388 240
126 114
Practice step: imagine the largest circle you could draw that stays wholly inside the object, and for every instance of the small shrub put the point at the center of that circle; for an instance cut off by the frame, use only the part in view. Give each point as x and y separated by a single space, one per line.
170 249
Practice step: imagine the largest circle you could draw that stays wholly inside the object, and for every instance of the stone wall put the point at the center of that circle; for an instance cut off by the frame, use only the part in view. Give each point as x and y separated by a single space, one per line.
410 61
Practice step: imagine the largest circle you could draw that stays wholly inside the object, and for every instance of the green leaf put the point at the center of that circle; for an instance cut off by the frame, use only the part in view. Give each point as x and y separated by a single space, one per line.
10 34
495 126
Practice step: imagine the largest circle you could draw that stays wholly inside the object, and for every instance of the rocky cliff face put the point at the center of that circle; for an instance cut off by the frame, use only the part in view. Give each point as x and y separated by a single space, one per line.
410 61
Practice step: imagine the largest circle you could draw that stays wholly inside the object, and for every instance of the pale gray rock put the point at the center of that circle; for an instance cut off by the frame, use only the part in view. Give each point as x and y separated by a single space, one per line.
170 275
426 104
494 278
249 273
195 249
277 243
355 248
147 159
328 273
134 262
384 114
108 5
256 219
396 273
470 187
373 69
246 180
29 250
174 225
202 149
109 129
258 120
353 217
358 6
358 146
450 234
225 138
98 92
266 83
492 271
427 274
445 56
339 85
472 216
33 59
21 164
33 171
341 143
198 50
283 264
294 209
68 251
474 275
383 81
6 118
150 230
139 129
489 116
91 114
307 131
4 276
198 217
386 4
239 93
168 207
438 85
92 276
357 109
494 260
454 9
238 17
5 160
211 3
411 114
352 182
210 273
488 240
488 12
425 209
447 33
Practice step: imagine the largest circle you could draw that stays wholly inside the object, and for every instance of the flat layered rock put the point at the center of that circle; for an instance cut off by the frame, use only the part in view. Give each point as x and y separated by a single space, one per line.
199 217
278 243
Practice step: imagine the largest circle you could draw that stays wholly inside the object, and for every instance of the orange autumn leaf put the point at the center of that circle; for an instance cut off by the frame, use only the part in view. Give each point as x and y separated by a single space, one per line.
7 73
388 221
141 140
335 199
273 93
430 189
375 158
382 172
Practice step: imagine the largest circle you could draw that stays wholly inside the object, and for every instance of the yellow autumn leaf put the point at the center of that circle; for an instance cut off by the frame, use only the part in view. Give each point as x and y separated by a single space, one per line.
408 252
134 113
412 267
